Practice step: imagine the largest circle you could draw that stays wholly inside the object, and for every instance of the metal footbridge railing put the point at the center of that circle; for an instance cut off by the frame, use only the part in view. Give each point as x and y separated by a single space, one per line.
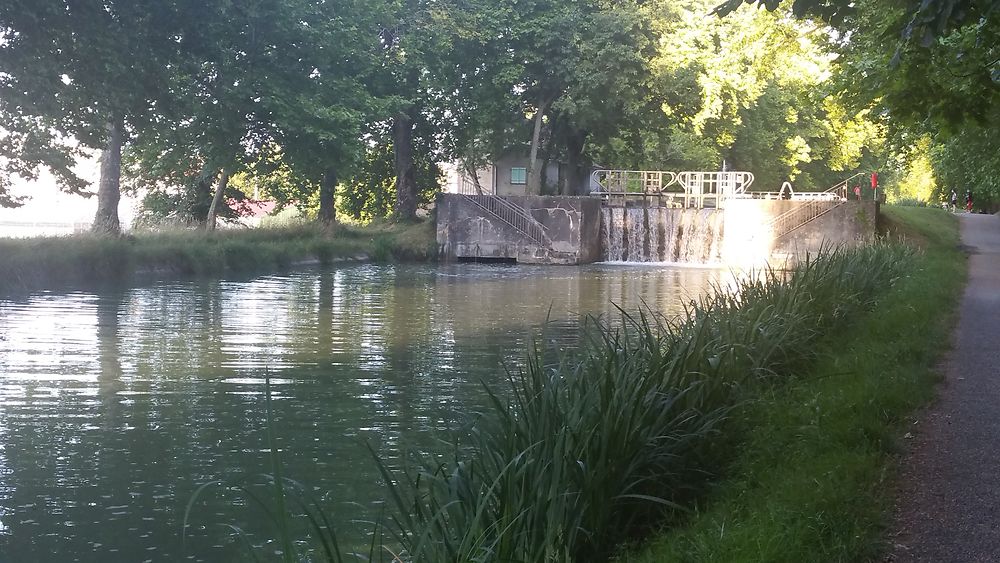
512 215
674 189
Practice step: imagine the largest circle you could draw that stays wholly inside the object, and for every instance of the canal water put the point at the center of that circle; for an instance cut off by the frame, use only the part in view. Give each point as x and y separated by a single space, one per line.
116 406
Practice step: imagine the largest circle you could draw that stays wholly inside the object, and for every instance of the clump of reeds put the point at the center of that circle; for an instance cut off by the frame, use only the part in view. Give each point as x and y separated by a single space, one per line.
582 452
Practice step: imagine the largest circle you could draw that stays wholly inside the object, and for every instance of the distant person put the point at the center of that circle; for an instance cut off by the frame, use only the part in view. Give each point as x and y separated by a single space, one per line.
968 201
954 200
857 191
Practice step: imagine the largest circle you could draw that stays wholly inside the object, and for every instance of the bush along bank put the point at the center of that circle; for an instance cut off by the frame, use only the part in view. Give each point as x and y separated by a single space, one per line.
86 260
587 451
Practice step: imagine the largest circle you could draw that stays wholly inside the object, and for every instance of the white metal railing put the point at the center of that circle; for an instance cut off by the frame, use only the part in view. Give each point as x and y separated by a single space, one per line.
816 205
797 196
714 187
693 188
468 187
648 182
512 215
800 215
841 188
700 189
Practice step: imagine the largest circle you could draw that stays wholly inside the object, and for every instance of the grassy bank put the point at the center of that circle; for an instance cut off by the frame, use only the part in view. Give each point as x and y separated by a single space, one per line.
83 260
812 478
587 451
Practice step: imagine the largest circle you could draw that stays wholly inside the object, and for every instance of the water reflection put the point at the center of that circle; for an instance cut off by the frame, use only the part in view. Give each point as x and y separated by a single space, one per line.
114 407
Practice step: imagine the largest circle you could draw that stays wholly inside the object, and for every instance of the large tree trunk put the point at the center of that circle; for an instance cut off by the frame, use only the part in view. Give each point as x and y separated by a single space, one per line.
534 178
577 167
109 189
327 191
204 193
213 210
406 181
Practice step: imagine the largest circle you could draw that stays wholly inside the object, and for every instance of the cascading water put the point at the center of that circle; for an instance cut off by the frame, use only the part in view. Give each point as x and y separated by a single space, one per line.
661 234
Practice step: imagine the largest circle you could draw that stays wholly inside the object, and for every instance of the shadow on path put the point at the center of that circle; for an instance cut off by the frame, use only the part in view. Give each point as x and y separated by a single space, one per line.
949 498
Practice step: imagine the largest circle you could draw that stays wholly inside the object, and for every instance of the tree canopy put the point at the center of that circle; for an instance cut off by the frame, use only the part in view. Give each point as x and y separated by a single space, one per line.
199 104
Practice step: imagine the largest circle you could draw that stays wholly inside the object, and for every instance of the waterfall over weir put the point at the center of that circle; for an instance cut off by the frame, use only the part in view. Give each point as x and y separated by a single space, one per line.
661 234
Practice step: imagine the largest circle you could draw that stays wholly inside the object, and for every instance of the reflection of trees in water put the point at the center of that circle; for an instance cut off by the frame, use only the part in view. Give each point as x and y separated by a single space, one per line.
174 331
109 378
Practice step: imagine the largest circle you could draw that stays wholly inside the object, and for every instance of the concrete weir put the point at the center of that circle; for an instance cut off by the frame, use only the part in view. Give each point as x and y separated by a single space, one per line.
579 230
661 234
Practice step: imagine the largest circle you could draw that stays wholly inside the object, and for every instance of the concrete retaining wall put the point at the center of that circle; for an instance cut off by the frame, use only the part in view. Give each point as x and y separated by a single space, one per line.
750 242
572 223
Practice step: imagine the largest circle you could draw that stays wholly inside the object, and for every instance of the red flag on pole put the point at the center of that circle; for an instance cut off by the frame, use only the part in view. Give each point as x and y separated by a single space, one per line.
874 180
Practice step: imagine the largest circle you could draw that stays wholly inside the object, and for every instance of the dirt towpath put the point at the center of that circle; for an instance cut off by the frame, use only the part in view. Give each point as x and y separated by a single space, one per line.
949 503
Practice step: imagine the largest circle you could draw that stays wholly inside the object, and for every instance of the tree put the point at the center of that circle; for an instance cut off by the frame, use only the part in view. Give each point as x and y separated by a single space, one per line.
751 90
265 85
371 193
321 108
27 144
71 68
548 77
923 21
942 88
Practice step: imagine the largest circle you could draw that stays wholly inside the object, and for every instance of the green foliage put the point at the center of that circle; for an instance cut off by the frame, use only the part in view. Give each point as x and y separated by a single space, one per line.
296 99
918 182
919 22
581 68
811 482
968 160
371 193
751 89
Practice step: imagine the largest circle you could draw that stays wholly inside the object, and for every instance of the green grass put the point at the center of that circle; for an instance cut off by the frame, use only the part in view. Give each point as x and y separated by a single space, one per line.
812 477
83 260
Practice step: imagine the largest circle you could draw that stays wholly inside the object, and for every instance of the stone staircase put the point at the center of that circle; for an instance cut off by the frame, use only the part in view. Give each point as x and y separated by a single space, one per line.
514 216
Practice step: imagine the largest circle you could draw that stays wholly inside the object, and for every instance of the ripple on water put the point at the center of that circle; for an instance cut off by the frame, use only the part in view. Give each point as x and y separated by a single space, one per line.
115 407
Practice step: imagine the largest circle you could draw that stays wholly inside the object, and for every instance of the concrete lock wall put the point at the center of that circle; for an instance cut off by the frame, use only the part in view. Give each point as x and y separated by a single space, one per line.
750 240
574 226
464 230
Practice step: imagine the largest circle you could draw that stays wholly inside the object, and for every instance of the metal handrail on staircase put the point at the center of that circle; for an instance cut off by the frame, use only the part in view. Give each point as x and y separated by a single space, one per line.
512 215
841 187
813 209
800 216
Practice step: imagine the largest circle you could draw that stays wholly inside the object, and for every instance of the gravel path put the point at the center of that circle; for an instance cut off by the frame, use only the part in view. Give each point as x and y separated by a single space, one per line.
949 502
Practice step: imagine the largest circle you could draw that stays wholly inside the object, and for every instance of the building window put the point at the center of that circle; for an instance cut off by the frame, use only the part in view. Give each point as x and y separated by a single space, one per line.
518 175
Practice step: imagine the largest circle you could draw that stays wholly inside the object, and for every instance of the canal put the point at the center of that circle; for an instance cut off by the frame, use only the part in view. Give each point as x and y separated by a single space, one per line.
115 406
